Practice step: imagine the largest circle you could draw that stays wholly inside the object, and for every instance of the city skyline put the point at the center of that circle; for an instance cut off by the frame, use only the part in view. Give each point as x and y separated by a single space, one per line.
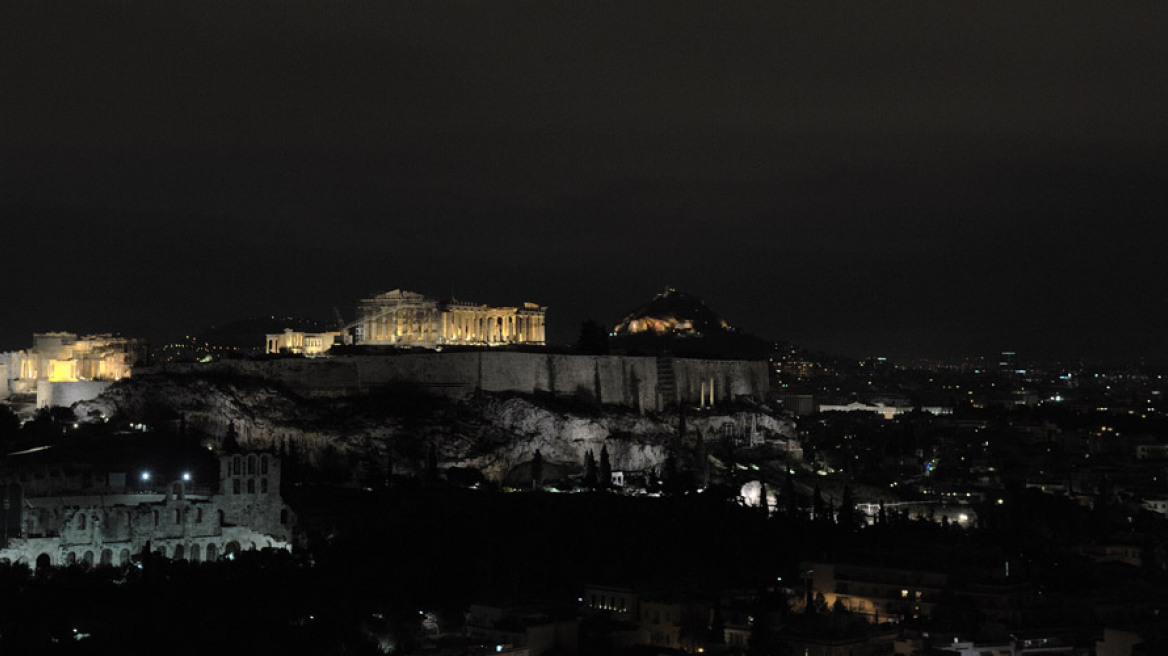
926 180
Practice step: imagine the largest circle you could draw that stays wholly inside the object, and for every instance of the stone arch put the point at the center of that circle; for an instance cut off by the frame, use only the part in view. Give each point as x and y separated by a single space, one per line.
107 557
231 549
252 546
161 551
87 559
212 553
124 557
43 561
71 558
195 553
179 552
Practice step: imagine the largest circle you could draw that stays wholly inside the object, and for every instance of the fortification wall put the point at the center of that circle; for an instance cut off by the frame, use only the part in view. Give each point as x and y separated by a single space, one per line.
628 381
613 380
731 378
67 393
452 373
312 376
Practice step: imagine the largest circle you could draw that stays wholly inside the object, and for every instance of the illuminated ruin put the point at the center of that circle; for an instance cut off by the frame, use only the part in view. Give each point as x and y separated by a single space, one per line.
301 343
62 368
111 518
409 319
401 318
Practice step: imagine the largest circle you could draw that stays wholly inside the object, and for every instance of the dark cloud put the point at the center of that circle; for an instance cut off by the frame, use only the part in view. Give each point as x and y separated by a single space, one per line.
930 177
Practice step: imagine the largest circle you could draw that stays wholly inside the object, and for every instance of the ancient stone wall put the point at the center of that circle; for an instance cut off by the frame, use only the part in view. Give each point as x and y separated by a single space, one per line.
108 529
626 381
731 378
65 394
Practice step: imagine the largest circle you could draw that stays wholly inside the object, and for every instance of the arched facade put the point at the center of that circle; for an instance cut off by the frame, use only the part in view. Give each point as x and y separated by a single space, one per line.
180 524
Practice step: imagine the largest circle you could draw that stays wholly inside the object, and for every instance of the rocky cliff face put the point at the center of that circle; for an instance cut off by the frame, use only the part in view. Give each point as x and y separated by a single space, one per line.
494 434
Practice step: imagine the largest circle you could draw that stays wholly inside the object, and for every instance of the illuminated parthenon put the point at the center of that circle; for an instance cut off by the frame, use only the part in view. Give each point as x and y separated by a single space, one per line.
401 318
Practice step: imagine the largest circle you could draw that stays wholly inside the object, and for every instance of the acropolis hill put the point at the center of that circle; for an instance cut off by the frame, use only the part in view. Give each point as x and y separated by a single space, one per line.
489 408
420 325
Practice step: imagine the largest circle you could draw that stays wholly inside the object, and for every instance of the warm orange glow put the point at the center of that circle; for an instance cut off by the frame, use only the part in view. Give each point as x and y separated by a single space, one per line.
65 358
62 371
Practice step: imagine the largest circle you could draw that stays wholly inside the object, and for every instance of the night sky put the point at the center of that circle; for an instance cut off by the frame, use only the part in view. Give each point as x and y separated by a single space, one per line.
932 178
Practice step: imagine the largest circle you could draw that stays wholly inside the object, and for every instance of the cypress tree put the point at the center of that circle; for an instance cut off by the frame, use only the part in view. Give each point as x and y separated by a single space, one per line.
605 472
818 508
847 510
230 440
589 471
536 470
432 464
702 461
669 473
790 506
